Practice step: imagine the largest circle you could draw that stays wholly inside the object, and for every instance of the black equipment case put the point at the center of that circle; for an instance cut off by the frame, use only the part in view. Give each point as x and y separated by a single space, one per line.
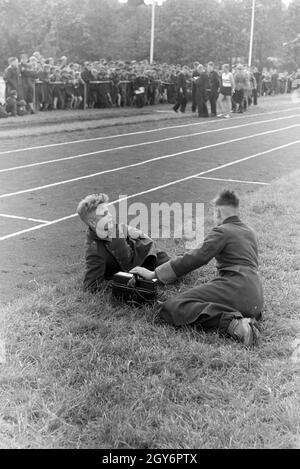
131 288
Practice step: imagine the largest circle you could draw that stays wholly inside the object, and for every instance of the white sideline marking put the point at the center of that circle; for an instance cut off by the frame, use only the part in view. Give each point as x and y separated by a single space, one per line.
241 160
108 137
24 218
233 180
141 163
124 147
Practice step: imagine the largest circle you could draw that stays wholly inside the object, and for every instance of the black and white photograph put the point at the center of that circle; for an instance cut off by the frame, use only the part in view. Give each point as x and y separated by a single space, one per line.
149 228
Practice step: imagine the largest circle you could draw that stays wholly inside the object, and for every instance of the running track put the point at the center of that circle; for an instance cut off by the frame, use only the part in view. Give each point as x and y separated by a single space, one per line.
189 160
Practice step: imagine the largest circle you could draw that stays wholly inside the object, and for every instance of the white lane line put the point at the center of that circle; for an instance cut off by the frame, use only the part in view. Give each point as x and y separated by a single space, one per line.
3 215
154 189
124 147
38 227
233 180
142 163
140 132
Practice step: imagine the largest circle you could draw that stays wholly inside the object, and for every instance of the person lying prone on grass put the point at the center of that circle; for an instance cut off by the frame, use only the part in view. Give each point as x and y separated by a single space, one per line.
111 248
230 303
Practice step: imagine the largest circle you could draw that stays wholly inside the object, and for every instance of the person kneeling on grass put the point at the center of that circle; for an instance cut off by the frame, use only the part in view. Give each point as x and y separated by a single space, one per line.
111 248
230 303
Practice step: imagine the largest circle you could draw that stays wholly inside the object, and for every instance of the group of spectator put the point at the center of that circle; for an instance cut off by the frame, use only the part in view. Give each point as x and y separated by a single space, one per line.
36 83
226 91
274 82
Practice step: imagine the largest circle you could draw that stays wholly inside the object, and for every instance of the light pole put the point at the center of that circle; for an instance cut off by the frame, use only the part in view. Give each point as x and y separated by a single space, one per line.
152 32
251 33
153 3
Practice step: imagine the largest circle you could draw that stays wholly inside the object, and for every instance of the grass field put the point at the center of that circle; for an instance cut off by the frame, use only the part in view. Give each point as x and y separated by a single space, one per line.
81 372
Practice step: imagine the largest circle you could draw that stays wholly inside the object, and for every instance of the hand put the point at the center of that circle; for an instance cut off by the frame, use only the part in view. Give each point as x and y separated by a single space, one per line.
142 272
134 233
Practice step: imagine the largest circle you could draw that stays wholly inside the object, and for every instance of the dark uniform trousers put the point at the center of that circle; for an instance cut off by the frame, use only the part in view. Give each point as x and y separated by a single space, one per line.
181 93
235 293
194 91
104 258
237 100
28 83
202 86
214 85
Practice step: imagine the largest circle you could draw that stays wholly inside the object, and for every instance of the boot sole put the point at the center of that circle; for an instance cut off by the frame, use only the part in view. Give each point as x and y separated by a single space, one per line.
255 334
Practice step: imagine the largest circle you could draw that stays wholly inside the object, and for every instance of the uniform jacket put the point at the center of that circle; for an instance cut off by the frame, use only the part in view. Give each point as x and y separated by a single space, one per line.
44 76
233 244
87 75
28 75
240 80
202 83
214 82
12 78
28 78
181 83
104 258
237 290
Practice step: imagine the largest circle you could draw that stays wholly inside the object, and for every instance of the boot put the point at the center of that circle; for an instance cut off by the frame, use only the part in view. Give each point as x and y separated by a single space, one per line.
244 330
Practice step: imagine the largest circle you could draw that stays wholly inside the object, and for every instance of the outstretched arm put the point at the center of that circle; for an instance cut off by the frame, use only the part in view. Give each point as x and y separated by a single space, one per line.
182 265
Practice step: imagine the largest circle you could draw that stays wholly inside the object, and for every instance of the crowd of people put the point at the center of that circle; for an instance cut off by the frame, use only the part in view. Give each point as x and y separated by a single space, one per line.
228 91
34 83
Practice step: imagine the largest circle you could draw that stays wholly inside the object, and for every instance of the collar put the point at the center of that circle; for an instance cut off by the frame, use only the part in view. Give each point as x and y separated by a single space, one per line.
233 219
93 236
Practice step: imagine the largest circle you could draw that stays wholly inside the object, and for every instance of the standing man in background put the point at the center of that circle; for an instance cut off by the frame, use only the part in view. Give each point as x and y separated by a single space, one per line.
231 302
181 92
12 78
214 86
195 76
28 77
202 87
255 80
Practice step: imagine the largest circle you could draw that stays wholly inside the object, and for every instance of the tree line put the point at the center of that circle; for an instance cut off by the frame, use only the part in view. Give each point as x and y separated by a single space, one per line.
186 30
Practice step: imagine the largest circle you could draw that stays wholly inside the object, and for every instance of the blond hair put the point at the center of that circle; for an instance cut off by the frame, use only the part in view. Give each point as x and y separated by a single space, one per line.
87 207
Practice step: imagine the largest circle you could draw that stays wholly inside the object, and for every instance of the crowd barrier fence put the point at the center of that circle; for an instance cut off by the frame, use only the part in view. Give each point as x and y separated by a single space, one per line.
61 95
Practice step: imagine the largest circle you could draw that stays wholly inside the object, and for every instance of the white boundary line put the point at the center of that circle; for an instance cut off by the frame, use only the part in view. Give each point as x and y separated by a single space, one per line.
3 215
141 163
233 180
125 147
108 137
154 189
